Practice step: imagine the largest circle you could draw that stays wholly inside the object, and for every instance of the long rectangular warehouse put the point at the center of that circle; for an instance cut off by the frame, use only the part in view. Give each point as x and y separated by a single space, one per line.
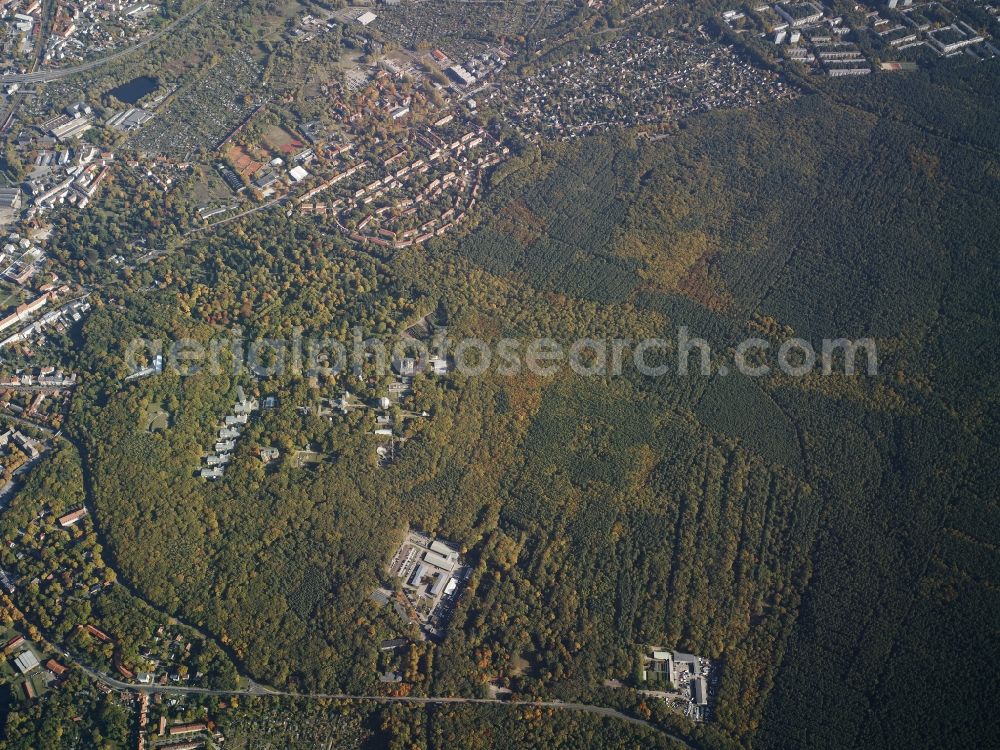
418 574
438 561
443 549
439 583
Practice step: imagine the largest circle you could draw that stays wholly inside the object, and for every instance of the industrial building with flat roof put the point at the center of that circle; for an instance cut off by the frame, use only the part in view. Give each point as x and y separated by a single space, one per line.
439 561
461 75
432 571
418 575
72 128
26 661
684 676
443 549
699 690
439 583
130 119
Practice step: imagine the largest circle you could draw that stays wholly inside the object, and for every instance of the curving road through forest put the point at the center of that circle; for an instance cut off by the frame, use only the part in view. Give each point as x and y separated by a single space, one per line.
259 690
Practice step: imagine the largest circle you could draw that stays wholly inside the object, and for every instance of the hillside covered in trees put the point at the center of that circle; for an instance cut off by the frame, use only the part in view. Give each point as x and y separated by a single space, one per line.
827 538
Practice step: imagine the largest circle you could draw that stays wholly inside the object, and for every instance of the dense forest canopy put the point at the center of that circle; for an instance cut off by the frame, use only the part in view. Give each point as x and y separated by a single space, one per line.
824 539
814 534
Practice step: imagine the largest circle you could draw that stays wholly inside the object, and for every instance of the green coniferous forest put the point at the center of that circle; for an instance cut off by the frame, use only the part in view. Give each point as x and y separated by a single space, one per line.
833 541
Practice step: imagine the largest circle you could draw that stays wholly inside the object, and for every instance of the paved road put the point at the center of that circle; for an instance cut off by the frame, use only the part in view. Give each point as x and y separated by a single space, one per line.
7 491
37 388
273 202
260 690
161 251
52 75
48 431
18 99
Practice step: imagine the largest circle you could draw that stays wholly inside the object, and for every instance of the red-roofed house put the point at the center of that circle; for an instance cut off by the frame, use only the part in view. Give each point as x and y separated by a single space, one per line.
17 640
188 728
98 634
71 518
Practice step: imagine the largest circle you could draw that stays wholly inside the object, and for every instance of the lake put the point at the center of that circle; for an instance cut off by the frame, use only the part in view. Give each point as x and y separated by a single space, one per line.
134 90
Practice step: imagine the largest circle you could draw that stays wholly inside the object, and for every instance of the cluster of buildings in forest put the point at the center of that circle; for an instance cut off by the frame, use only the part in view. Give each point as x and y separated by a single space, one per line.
229 433
689 683
431 574
35 326
26 667
18 452
29 446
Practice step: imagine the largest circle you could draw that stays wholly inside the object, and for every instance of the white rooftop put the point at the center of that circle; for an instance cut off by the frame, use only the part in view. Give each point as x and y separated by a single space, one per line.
26 661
